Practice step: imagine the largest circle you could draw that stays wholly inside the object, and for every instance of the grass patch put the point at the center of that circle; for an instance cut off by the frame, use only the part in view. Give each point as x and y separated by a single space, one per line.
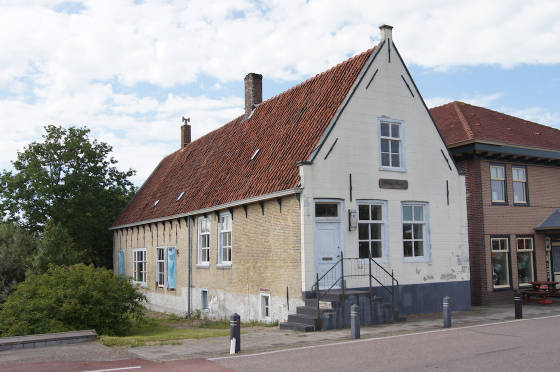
150 331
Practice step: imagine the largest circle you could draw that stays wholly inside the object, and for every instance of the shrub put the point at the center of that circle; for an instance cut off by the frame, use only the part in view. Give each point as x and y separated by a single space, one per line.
56 247
71 298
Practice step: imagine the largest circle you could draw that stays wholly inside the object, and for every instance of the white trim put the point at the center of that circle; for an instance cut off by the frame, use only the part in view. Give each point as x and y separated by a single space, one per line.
164 267
145 261
426 232
236 203
202 308
221 261
384 230
199 262
338 202
507 253
262 316
502 180
402 157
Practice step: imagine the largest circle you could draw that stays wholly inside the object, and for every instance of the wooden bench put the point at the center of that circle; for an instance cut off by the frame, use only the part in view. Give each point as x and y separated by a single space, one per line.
526 294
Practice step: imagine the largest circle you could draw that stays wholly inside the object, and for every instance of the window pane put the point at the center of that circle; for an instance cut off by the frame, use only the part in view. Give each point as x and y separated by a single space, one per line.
375 230
395 161
407 213
407 231
500 270
519 192
418 231
363 212
326 210
385 145
385 130
418 248
495 245
376 213
395 130
520 243
518 174
408 249
395 147
497 191
376 249
363 231
418 213
364 249
525 267
385 160
497 172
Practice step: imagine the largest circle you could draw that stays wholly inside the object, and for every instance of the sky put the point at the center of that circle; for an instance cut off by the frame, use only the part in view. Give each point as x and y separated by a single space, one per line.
129 70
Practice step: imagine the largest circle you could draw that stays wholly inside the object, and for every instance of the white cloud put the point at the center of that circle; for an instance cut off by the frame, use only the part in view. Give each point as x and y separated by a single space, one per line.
60 64
477 100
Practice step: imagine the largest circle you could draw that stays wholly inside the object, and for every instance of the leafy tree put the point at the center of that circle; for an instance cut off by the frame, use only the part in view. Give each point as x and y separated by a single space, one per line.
72 180
71 298
56 247
17 247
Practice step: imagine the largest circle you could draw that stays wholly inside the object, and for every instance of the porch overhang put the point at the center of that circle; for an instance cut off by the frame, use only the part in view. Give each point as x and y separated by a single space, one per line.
551 224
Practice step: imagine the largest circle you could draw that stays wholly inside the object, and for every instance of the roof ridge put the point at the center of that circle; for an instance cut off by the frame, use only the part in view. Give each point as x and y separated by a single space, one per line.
463 120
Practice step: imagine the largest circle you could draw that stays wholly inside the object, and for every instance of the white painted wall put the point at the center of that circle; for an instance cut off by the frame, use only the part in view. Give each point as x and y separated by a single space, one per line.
357 152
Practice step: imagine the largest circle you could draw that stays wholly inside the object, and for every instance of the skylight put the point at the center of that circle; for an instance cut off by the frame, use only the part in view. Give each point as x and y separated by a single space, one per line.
180 196
156 202
255 154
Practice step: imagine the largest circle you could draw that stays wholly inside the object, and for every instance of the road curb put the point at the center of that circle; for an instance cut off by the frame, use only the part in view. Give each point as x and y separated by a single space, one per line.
46 339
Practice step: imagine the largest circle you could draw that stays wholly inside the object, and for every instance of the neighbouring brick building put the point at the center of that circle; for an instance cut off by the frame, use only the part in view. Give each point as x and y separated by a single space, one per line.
349 162
512 169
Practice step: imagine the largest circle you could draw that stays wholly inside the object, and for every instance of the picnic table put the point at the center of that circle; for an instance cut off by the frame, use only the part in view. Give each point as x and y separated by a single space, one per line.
540 289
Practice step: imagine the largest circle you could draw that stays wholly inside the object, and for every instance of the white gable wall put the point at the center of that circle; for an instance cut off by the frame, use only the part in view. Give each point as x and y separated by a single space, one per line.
357 152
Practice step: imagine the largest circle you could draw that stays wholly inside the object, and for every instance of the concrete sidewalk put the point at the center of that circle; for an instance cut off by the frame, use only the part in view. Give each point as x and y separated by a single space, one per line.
261 339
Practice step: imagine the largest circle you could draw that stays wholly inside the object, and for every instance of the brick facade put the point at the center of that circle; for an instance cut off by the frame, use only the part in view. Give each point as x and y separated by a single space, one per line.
487 219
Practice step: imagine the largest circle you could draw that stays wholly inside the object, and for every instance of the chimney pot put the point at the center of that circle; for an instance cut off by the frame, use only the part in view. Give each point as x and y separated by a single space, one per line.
185 132
386 32
253 92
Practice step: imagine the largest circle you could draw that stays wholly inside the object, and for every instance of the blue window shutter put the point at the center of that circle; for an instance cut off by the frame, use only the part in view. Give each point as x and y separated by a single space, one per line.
121 263
171 265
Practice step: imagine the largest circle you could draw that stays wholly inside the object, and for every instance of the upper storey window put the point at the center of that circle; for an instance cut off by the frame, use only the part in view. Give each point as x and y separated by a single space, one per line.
519 179
498 183
391 145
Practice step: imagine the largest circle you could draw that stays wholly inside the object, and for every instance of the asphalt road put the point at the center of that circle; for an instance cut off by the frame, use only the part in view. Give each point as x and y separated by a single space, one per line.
526 345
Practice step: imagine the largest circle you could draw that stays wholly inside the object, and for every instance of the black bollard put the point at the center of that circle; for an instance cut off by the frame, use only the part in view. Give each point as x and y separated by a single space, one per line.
518 305
446 312
355 321
235 331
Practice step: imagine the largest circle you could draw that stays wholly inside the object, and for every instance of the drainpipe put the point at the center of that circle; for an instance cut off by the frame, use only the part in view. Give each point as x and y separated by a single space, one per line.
189 268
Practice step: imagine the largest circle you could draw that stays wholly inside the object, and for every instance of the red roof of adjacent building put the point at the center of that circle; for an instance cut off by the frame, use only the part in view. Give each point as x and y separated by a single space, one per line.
217 168
459 122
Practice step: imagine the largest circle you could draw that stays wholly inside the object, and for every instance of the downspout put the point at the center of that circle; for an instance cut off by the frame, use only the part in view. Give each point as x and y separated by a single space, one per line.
189 312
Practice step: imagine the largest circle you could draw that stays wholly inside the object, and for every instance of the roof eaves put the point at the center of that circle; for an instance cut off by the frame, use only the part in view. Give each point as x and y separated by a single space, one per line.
344 103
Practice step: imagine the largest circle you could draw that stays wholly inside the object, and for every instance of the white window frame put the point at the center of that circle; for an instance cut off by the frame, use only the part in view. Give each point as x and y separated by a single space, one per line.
135 252
221 261
200 262
202 308
508 266
497 179
158 272
262 316
523 182
330 218
426 257
383 222
525 250
401 139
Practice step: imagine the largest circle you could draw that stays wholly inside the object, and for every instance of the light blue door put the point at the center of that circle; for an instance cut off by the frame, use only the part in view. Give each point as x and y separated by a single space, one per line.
171 267
120 263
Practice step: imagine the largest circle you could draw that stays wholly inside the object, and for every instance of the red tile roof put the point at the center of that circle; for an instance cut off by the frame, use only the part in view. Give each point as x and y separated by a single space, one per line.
458 122
216 169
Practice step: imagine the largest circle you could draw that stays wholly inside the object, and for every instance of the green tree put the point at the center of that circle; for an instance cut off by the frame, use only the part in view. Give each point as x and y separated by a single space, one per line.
17 247
69 298
72 180
56 247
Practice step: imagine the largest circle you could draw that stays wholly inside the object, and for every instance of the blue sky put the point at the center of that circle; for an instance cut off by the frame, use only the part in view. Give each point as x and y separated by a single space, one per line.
130 69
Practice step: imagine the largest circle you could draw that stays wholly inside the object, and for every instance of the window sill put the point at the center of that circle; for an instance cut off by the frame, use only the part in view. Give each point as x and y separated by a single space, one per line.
521 205
416 259
502 289
141 284
203 266
223 266
390 169
500 203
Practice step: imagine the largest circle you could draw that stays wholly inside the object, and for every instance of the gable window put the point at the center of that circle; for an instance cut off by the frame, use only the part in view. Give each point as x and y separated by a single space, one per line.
500 262
519 179
525 273
265 307
391 145
224 244
160 266
498 183
203 241
415 230
139 260
371 229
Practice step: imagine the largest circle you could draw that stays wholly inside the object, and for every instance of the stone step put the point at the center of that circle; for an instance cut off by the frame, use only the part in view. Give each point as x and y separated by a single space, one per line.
306 310
297 327
303 319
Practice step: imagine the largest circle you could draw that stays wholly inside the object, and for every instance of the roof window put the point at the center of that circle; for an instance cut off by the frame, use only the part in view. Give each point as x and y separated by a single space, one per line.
156 203
180 196
255 153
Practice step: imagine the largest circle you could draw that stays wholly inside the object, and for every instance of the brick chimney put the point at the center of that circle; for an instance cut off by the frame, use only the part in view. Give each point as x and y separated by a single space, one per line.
253 92
185 132
386 32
